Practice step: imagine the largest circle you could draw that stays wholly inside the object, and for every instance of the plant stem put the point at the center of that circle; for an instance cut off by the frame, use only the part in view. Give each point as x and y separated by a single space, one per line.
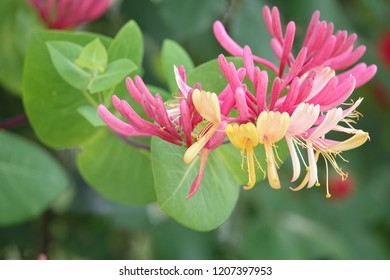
14 121
90 99
135 143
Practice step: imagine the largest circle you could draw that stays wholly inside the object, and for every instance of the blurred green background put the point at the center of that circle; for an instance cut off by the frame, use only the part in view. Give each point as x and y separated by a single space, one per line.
266 224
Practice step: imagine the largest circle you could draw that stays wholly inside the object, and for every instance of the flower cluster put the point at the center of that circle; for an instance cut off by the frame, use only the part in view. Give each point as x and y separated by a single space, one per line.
65 14
302 104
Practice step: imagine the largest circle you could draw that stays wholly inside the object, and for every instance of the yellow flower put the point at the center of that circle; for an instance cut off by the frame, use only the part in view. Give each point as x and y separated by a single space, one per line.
272 127
207 105
245 137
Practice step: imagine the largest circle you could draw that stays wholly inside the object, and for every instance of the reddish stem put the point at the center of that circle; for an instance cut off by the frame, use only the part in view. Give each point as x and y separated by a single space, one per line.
14 121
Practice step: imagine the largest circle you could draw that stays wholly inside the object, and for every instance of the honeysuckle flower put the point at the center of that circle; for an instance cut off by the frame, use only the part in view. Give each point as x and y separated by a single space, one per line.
303 113
272 127
179 122
310 87
321 49
65 14
207 105
317 144
245 137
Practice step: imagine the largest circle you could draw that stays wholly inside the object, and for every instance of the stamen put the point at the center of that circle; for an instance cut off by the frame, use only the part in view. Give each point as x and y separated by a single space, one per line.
259 165
328 195
300 154
205 130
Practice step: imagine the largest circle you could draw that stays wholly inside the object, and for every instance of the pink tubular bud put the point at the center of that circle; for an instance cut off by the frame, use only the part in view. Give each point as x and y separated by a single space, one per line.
287 46
242 107
224 39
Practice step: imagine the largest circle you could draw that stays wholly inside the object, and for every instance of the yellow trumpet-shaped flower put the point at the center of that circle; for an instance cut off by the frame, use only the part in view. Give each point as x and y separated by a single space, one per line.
207 105
272 127
245 137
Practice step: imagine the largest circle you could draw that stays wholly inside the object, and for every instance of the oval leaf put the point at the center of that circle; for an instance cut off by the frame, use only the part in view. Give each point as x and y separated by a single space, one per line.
93 56
215 198
51 103
63 56
90 114
115 73
128 43
117 170
31 179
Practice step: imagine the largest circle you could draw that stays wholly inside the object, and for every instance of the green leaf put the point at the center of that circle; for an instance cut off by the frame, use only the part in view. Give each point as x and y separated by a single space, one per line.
173 54
93 56
17 22
231 156
31 179
128 43
51 103
91 115
215 198
116 72
117 170
163 92
63 56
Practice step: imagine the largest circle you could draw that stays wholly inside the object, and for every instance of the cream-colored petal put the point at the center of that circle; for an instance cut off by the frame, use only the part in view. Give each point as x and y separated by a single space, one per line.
207 104
195 148
331 120
294 158
323 75
313 177
272 126
303 117
239 135
353 142
272 173
251 168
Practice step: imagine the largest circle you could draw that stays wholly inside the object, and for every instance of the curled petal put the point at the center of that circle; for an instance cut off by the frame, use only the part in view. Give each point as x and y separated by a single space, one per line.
294 158
303 117
313 177
196 147
330 121
272 126
207 104
358 139
180 76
